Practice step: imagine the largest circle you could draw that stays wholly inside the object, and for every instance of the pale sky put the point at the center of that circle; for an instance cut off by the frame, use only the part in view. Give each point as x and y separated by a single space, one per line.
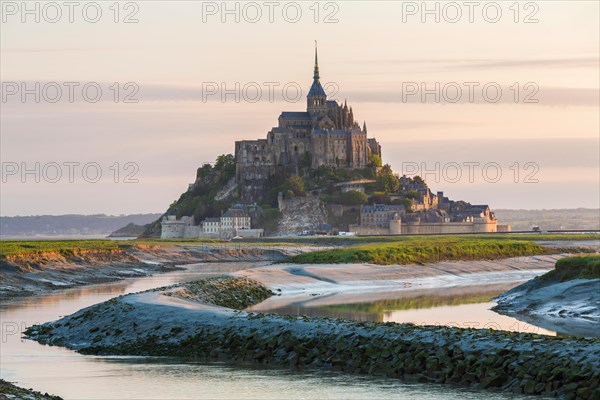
372 56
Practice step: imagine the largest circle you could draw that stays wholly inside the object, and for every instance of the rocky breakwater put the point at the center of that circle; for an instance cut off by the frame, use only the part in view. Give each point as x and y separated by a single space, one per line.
8 391
197 320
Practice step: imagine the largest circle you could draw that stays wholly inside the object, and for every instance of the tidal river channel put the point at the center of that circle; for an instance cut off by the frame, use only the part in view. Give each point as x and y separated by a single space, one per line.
74 376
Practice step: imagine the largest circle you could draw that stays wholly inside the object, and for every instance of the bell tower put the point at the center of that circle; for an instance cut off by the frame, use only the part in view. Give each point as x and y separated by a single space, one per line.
316 101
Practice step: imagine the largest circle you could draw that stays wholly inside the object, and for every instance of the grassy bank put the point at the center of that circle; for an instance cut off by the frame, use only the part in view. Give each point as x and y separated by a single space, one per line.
67 247
64 247
579 267
420 250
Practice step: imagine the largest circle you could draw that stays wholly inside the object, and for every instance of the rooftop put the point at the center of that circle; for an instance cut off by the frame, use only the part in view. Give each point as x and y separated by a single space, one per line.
235 212
336 132
295 114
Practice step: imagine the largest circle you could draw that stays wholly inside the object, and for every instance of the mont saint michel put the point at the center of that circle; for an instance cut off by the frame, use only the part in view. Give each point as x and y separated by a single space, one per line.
316 171
404 208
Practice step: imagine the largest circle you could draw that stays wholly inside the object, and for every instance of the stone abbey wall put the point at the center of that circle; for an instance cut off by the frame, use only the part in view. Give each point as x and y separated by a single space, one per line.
422 228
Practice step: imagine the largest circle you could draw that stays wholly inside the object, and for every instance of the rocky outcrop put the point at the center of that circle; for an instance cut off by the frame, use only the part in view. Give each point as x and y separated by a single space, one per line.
236 293
301 214
227 190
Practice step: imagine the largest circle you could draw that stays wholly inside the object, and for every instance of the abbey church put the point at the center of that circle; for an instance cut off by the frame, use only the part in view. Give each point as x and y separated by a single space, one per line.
325 134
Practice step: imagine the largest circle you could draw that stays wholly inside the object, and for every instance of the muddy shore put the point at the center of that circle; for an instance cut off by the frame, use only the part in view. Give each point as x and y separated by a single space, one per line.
9 391
158 323
325 284
572 306
43 272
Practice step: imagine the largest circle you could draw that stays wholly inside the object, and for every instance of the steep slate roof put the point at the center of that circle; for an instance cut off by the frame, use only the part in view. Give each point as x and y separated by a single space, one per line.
334 131
295 115
316 89
380 207
234 212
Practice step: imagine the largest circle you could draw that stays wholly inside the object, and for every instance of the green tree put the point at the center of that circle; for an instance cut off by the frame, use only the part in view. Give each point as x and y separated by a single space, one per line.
379 198
200 212
407 203
387 181
353 198
374 160
418 179
224 161
204 171
225 165
412 194
295 184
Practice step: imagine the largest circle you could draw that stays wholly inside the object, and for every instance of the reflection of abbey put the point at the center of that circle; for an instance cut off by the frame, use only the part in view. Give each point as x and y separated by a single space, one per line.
325 134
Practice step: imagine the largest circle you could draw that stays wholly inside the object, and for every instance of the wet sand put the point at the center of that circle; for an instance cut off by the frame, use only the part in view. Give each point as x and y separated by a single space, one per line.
326 284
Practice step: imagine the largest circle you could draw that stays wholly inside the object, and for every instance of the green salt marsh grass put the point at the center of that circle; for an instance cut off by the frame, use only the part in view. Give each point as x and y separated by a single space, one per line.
381 247
420 250
578 267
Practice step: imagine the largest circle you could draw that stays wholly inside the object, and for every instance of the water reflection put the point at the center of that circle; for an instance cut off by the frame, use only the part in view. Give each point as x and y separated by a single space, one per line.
464 316
467 310
84 296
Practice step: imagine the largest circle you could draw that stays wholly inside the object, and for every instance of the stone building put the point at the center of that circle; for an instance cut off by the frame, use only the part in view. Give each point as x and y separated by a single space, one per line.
173 228
325 134
211 227
234 222
380 219
379 215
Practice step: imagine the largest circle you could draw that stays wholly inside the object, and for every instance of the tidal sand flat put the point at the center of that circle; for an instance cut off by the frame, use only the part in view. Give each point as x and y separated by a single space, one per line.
196 320
327 284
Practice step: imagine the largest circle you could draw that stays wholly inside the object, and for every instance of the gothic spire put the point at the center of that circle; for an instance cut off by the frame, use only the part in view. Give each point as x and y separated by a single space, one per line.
316 95
316 74
364 126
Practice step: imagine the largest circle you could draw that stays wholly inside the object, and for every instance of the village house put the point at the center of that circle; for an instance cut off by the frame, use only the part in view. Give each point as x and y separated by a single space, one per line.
233 223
